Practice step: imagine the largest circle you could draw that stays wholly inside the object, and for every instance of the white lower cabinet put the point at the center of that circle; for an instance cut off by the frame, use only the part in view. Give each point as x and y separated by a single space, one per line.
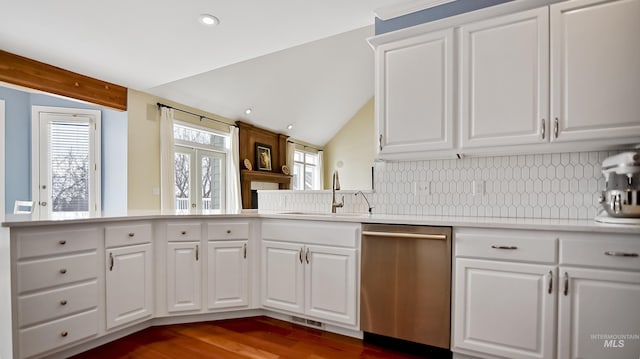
56 280
227 274
184 277
598 314
128 273
507 284
129 284
505 309
312 280
283 276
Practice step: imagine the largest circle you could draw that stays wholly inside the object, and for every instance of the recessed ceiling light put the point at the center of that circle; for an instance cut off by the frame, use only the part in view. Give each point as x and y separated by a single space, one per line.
289 127
208 20
248 111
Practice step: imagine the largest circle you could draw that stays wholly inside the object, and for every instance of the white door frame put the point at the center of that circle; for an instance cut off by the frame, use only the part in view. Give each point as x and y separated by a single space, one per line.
35 153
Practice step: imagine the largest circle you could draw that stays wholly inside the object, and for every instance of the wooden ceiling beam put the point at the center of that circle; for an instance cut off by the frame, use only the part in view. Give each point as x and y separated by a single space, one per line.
37 75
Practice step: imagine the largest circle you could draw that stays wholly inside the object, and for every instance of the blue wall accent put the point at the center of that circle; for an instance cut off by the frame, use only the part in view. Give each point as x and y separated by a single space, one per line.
18 147
432 14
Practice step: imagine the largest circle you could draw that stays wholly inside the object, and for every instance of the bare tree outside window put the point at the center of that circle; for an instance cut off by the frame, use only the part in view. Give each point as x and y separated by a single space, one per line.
182 173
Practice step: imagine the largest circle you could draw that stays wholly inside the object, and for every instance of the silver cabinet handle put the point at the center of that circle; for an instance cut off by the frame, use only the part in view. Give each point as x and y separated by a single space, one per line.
555 128
111 263
550 282
380 142
245 251
620 254
566 284
197 251
495 246
306 256
43 204
543 124
300 255
404 235
132 234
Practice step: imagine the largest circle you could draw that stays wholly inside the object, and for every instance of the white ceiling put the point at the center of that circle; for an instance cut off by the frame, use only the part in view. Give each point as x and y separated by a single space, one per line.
160 47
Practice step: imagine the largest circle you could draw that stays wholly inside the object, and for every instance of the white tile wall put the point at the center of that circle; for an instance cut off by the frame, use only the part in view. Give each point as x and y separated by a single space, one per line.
561 185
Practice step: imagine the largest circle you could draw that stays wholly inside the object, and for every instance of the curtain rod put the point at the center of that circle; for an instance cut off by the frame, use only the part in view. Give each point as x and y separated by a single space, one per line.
195 114
305 146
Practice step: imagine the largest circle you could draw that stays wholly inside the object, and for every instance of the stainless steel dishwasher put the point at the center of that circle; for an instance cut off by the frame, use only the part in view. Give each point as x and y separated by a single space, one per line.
406 283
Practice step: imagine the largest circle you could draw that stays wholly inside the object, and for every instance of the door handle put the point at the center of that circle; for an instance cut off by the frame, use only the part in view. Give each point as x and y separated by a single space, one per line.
307 256
550 282
300 255
245 251
566 284
111 262
197 251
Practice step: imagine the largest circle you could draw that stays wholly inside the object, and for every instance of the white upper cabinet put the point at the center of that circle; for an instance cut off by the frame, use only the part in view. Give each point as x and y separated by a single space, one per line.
595 70
504 80
414 92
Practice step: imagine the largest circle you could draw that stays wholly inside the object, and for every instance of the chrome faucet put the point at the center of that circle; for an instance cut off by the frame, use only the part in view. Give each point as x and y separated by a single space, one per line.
336 187
366 200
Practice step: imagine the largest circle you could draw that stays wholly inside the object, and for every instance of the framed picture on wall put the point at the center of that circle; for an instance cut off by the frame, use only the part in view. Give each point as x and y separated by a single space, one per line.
263 157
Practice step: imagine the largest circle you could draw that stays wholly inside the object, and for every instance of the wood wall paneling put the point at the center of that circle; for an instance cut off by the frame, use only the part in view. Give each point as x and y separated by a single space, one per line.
37 75
249 135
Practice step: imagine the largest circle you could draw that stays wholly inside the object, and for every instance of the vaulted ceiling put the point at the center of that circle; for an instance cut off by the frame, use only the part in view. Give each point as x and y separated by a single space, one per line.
293 62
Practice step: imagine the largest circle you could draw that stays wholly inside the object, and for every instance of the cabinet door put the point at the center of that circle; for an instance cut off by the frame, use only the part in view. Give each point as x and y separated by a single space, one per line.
283 276
129 282
598 303
414 94
227 274
504 308
330 283
184 276
595 74
505 71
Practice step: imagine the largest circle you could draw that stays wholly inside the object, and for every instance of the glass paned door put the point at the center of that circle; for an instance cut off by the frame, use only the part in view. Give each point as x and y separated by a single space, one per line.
183 178
212 180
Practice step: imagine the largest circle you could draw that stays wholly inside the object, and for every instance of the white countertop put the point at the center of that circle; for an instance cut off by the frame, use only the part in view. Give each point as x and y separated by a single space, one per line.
16 221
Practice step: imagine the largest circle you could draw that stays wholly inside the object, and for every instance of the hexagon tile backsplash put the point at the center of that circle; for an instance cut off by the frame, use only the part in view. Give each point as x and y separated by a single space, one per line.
557 186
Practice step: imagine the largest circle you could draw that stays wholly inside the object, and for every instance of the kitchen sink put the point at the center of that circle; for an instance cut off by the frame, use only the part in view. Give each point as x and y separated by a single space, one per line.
324 214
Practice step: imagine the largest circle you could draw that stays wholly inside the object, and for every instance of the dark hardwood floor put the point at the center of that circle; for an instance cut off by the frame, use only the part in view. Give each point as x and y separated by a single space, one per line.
258 337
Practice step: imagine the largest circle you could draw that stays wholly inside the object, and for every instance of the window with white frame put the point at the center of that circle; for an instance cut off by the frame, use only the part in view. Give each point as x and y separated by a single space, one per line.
66 162
306 170
200 168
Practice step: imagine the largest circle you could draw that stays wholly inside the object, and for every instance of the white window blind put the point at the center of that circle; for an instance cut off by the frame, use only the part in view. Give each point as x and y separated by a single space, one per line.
69 151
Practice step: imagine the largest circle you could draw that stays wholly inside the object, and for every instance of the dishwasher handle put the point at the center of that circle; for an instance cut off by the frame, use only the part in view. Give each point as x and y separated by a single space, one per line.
441 237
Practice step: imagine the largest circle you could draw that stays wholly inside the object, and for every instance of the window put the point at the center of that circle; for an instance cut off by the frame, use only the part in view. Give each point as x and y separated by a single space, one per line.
306 170
200 168
66 162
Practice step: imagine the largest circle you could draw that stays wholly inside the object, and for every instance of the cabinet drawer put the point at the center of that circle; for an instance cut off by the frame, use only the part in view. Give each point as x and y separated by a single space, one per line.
311 232
184 231
228 230
44 306
128 234
58 333
506 245
51 242
620 252
56 271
